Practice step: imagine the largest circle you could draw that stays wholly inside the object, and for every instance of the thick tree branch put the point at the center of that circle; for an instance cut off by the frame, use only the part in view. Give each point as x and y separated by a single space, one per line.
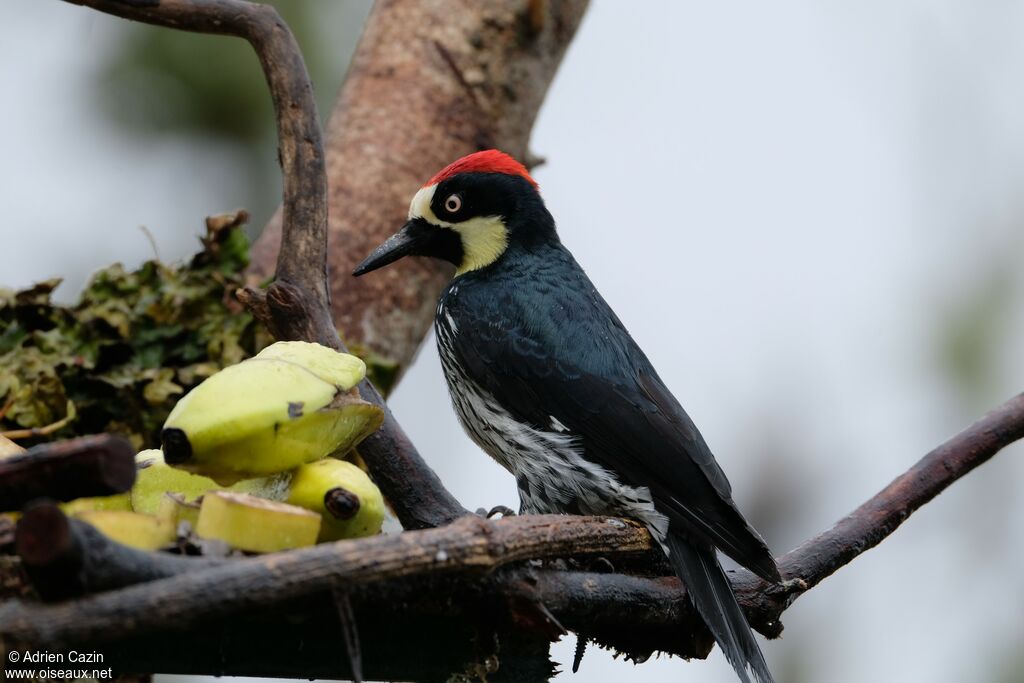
470 544
90 466
297 303
67 558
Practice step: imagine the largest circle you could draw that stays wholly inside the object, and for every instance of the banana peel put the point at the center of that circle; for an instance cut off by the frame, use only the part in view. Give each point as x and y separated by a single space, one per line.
255 524
293 403
349 503
144 532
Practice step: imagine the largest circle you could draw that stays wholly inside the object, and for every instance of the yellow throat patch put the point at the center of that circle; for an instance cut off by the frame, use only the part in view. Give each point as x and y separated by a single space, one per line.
484 239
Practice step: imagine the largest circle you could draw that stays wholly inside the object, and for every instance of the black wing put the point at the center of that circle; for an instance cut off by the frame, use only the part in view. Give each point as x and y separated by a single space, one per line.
560 352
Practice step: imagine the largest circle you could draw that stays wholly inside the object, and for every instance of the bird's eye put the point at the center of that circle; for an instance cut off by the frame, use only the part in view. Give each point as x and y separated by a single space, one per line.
453 203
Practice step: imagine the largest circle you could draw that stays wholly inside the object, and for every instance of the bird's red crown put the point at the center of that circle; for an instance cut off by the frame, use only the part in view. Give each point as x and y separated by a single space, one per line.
487 161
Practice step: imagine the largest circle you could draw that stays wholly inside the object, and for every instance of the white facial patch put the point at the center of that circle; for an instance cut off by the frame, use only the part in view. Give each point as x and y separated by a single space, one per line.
420 206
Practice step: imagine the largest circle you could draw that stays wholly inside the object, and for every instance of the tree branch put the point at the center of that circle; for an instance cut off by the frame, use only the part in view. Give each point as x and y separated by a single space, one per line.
66 558
634 614
296 306
871 523
90 466
470 544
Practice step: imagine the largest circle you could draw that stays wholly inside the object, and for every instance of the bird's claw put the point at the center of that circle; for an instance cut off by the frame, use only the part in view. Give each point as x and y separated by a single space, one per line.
500 510
788 586
496 510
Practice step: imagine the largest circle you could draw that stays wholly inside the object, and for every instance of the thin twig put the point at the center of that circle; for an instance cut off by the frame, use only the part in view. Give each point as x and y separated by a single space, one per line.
7 406
349 632
45 430
581 649
872 522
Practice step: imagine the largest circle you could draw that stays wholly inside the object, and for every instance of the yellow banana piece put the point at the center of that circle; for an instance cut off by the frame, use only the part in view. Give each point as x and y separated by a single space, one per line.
175 509
144 532
120 501
255 524
342 494
155 478
292 403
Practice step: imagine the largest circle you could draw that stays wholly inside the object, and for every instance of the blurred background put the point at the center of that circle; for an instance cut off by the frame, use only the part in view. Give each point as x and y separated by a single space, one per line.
810 215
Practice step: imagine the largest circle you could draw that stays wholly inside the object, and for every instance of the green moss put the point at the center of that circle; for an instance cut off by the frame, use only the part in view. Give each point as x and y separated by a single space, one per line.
134 343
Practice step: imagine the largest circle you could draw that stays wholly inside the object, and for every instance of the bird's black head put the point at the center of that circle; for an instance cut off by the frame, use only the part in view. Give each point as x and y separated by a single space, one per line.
469 214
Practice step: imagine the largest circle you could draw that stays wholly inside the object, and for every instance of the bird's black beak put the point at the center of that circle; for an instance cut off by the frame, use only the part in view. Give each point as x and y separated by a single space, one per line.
416 238
407 241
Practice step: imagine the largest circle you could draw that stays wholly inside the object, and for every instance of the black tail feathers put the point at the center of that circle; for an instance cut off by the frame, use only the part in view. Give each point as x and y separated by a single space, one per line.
711 592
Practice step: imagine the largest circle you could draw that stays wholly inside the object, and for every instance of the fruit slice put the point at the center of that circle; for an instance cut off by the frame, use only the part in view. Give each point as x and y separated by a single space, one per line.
175 509
131 528
291 404
255 524
342 494
121 501
155 478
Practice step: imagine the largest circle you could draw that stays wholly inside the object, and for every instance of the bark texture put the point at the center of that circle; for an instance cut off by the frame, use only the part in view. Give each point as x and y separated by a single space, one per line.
430 82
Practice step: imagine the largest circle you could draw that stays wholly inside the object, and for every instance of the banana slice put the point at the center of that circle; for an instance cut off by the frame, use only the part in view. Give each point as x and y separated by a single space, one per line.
291 404
121 501
155 478
342 494
131 528
255 524
175 509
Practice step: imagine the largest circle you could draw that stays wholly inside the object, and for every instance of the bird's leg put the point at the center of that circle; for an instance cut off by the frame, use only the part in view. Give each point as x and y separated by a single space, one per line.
788 590
794 585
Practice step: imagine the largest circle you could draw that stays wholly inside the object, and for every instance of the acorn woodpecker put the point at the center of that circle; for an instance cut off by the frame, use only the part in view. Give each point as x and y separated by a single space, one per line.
546 380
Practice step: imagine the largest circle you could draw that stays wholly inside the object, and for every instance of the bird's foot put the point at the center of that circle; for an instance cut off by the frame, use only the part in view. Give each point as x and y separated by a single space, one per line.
788 590
793 585
495 511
